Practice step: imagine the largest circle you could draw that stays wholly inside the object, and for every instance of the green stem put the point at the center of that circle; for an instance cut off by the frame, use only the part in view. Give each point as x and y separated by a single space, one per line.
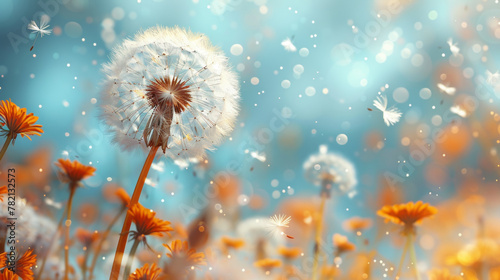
413 256
72 188
401 261
102 239
130 258
5 145
44 260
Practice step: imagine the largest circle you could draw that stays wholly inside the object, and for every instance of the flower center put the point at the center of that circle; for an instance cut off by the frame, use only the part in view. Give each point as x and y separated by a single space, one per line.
168 94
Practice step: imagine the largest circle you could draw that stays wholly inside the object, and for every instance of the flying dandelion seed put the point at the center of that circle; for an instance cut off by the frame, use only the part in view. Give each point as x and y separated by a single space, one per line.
258 156
39 30
459 111
446 89
278 222
288 45
453 47
391 115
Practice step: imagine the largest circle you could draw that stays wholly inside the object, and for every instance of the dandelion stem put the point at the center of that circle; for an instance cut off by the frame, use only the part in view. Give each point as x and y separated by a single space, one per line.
72 189
84 265
101 241
413 256
130 258
5 145
44 260
317 239
122 242
401 261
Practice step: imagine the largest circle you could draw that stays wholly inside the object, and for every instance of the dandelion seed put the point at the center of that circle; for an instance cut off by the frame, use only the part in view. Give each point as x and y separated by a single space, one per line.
39 30
453 47
258 156
446 89
288 45
459 111
278 222
391 115
492 78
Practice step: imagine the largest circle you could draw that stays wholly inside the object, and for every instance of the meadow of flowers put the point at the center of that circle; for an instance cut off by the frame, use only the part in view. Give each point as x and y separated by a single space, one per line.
250 139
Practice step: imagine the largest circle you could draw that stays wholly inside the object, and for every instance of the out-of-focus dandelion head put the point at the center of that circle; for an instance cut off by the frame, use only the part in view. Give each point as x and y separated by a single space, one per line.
170 88
326 168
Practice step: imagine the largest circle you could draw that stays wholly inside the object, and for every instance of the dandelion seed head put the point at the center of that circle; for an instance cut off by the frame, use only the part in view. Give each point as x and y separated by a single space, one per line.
170 88
330 166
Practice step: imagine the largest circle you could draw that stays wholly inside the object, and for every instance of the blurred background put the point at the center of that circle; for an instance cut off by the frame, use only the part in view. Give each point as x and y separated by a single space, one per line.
309 72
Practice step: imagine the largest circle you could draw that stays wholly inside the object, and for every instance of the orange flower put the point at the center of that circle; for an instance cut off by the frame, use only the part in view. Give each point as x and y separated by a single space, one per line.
23 265
407 214
122 194
146 273
357 224
17 121
183 256
289 253
146 223
73 172
328 272
3 190
342 244
234 243
267 264
443 274
86 237
8 275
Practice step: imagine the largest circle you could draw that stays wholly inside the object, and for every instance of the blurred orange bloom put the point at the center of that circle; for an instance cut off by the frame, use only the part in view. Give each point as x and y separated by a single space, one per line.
73 172
289 253
407 214
86 237
6 274
23 265
146 273
442 274
234 243
17 121
342 244
267 264
146 223
356 224
3 190
182 257
122 194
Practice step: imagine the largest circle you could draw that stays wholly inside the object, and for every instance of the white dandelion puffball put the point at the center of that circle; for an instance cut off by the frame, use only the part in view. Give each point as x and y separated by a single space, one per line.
325 166
170 88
